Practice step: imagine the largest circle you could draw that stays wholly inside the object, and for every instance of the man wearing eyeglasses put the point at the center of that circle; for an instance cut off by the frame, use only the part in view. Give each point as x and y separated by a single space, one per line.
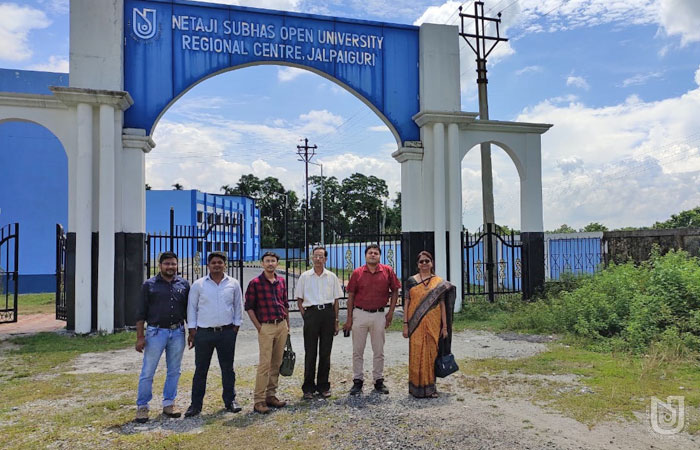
317 293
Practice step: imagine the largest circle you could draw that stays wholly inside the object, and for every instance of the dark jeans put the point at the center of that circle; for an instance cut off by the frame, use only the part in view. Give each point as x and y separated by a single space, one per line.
205 341
319 328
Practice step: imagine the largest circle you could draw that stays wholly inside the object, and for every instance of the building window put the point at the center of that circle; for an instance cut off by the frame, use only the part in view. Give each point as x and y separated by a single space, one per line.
200 216
208 247
199 246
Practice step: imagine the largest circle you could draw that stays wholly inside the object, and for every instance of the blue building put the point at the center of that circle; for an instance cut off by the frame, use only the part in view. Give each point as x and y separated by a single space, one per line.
238 232
33 183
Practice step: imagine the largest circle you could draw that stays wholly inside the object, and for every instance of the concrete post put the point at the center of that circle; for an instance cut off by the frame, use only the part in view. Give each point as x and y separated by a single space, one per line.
439 199
105 267
454 163
83 220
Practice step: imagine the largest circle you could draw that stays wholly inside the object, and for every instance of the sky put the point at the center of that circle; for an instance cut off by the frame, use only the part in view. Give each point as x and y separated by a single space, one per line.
619 80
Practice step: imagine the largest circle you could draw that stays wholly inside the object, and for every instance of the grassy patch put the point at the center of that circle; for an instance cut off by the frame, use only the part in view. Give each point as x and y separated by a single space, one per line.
42 353
619 385
44 303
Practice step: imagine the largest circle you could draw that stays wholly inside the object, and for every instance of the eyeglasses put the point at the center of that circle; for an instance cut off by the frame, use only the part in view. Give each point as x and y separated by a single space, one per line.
424 261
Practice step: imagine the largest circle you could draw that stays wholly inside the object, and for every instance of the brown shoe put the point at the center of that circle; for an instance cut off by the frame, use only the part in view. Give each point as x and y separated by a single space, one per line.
141 414
170 412
261 408
275 402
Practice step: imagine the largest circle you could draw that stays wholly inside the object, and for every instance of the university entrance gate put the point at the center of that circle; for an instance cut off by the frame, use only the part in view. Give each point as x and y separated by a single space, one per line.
130 60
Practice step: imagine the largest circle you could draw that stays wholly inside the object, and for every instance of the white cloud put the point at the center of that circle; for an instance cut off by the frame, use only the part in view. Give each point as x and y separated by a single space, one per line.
16 22
681 17
578 82
379 128
627 164
54 64
285 74
640 79
528 70
319 122
56 6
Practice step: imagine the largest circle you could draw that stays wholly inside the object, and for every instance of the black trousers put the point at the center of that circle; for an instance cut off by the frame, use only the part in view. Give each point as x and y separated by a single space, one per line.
205 341
319 328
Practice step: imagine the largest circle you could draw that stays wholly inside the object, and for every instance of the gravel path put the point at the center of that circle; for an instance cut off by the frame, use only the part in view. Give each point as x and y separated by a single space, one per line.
468 414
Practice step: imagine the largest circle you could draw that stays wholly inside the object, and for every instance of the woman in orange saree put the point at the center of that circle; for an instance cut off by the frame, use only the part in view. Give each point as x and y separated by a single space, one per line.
428 323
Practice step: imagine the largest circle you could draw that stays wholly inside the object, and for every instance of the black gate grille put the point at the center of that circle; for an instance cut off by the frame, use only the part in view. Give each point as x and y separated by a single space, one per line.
9 272
61 307
492 262
192 244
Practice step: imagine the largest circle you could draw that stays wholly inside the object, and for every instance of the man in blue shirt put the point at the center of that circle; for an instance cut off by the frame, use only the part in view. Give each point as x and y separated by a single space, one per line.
163 305
214 314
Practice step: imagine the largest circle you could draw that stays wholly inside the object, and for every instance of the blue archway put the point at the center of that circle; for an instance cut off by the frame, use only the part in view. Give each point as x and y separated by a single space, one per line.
172 45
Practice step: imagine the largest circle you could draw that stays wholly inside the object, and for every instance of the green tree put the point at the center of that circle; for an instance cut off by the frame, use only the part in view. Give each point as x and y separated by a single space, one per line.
594 226
392 225
332 208
272 199
148 187
684 219
177 187
564 228
362 199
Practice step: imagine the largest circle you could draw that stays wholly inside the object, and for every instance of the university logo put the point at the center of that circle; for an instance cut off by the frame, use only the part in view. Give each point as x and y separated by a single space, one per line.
667 417
144 23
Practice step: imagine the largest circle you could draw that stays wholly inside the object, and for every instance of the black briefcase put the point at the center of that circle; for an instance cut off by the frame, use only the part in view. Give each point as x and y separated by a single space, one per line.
288 359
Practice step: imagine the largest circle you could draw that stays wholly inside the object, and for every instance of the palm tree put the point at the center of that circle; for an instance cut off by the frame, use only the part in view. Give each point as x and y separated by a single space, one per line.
177 186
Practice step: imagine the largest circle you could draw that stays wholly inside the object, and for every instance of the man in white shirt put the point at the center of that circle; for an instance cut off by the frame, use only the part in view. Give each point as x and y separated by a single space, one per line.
214 314
317 293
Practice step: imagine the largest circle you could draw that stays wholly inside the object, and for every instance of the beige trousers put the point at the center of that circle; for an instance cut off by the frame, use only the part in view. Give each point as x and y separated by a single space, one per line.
271 341
364 322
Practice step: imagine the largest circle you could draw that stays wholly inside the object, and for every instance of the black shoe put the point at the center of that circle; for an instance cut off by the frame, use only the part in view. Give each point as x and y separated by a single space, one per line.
233 407
380 387
356 387
192 411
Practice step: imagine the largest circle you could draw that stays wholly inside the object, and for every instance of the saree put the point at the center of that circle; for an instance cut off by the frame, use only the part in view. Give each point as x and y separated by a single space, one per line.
424 325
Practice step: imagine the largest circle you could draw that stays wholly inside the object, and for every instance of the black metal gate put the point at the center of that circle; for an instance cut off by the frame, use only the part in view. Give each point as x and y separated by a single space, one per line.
192 244
9 272
345 247
492 262
61 307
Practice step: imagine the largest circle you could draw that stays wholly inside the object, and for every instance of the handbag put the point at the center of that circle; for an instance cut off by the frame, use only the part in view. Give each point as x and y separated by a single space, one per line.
445 364
288 359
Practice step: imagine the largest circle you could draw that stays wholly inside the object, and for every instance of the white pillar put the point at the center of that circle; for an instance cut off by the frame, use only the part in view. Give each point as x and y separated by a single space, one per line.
105 266
135 145
83 220
439 199
412 211
531 185
454 163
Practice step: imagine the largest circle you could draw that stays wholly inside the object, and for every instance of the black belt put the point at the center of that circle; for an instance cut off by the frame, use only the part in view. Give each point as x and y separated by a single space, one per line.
319 307
173 326
275 321
371 310
225 327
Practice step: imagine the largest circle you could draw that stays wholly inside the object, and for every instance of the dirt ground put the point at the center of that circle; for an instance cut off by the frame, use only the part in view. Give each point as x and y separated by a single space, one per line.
465 416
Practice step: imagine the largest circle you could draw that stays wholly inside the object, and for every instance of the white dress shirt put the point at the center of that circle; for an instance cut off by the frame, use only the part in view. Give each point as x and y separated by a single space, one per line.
318 289
214 305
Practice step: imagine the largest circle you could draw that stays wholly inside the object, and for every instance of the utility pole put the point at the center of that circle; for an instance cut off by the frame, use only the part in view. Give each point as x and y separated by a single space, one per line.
323 235
305 156
483 45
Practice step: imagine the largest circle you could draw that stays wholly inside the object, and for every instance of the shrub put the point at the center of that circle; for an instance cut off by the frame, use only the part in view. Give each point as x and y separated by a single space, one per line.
625 307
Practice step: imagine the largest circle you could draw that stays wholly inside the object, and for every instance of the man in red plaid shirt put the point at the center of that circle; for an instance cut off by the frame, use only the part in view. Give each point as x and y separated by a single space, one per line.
266 303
